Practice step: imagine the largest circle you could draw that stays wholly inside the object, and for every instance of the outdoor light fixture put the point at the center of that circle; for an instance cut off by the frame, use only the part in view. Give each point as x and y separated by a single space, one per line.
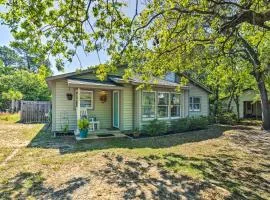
103 96
69 96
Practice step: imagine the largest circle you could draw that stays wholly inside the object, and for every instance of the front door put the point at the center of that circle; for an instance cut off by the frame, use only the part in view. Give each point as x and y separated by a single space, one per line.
116 109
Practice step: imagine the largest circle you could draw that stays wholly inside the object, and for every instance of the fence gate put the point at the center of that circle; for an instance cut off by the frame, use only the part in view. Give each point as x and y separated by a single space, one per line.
35 111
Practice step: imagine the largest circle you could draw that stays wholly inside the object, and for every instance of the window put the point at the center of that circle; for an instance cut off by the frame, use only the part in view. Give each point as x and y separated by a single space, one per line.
175 105
195 104
86 99
148 105
163 105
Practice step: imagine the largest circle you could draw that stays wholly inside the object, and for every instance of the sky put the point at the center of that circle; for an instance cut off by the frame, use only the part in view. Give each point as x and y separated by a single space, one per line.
86 60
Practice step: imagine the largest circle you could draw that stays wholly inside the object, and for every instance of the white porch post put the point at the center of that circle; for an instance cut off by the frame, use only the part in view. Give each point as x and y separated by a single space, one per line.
78 108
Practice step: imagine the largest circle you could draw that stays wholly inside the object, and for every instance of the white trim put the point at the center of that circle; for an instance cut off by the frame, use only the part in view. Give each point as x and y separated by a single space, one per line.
155 107
118 109
168 106
196 110
92 97
180 104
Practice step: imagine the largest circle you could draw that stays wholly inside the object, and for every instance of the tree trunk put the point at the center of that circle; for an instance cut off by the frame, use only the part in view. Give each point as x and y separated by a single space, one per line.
265 104
236 100
230 102
259 76
216 101
12 105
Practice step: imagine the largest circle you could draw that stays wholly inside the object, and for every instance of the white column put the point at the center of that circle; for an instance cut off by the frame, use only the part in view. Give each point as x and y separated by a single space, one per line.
78 107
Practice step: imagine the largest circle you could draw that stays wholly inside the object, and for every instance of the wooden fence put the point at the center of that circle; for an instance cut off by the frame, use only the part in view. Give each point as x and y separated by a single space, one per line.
35 111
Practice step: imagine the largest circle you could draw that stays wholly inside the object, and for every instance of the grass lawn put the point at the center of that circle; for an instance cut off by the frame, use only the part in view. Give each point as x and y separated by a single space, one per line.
222 162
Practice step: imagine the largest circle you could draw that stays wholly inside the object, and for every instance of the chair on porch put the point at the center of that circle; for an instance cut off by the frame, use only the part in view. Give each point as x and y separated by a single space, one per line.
93 123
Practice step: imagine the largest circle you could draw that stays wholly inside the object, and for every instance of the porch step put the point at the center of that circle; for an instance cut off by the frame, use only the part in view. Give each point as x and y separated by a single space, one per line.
102 134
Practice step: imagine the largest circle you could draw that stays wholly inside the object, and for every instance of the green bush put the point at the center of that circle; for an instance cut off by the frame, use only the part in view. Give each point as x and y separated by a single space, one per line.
180 125
197 123
155 127
189 124
227 118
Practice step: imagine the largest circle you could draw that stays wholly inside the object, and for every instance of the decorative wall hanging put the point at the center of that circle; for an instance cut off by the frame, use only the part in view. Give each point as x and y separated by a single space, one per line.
103 96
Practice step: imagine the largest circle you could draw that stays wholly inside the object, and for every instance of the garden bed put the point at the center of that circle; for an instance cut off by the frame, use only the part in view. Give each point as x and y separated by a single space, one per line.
144 135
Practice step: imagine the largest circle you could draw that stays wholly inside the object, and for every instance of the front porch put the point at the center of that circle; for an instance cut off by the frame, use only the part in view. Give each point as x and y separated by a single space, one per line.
101 134
99 103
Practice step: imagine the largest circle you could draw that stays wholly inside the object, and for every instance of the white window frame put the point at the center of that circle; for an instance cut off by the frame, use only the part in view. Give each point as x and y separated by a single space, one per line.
168 105
155 107
91 98
176 117
192 103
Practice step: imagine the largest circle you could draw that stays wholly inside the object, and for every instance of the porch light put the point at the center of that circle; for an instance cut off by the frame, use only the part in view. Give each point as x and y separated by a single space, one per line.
103 96
69 96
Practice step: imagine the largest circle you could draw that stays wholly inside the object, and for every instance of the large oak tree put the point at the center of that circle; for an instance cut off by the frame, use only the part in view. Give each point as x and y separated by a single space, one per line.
172 35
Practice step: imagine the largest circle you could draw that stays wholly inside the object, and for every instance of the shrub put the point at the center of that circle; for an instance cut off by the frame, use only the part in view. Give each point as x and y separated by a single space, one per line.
197 123
180 125
155 127
227 118
189 123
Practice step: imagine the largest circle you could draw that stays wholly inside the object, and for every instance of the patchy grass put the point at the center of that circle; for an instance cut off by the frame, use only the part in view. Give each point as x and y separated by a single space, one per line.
251 122
9 118
223 162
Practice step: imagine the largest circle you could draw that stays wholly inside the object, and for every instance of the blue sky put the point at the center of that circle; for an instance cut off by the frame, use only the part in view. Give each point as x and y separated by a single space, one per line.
86 60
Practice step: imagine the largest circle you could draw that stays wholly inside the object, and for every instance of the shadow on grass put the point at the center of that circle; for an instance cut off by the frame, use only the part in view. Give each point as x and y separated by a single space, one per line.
27 184
243 182
144 181
67 144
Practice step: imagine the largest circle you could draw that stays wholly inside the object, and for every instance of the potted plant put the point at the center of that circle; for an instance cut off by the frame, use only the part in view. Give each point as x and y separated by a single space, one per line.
83 127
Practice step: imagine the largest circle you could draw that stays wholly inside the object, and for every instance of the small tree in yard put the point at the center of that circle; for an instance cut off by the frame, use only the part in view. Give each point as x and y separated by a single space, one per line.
12 95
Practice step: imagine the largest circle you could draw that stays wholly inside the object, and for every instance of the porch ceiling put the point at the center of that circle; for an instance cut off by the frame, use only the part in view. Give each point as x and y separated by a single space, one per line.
83 83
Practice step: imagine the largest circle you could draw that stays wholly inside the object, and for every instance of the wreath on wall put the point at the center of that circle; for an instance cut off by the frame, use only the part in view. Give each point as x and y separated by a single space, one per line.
103 97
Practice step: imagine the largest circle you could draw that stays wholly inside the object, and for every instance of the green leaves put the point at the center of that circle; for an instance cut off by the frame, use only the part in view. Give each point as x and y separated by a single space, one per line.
12 95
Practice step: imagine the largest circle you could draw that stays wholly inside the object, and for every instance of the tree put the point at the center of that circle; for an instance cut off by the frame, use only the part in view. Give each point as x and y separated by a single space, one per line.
20 57
10 57
191 34
31 85
12 95
165 36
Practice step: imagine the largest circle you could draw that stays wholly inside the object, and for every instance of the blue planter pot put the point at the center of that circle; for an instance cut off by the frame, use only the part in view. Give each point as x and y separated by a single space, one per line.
83 133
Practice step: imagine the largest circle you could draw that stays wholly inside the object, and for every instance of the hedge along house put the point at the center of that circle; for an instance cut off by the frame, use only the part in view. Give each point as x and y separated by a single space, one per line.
116 104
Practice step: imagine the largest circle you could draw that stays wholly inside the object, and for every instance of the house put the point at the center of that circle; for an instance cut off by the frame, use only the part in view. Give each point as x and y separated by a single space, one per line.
116 103
249 105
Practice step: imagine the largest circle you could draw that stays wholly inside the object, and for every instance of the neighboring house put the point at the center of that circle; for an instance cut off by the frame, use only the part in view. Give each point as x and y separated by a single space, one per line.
249 105
115 103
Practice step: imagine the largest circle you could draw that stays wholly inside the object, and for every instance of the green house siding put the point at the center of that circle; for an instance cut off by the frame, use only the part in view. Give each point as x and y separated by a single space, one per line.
130 107
64 109
102 111
126 108
53 106
198 92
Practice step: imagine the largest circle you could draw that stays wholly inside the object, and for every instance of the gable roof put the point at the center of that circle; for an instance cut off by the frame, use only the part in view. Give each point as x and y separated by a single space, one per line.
118 80
70 74
136 80
197 83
